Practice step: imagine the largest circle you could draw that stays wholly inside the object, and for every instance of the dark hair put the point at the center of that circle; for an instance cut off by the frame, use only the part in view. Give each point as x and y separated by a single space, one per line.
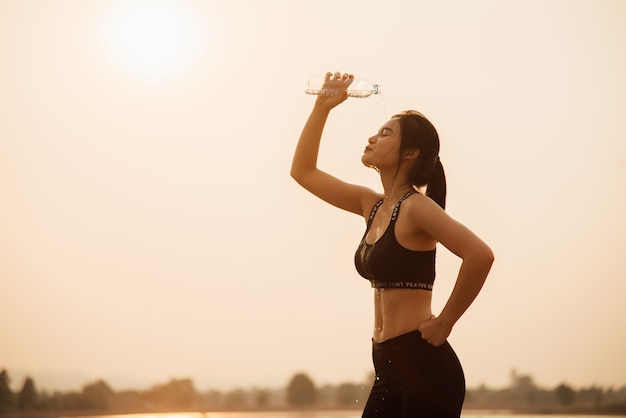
417 132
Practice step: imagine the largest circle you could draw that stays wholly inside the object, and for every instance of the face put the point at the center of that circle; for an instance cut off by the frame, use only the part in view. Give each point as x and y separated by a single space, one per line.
383 148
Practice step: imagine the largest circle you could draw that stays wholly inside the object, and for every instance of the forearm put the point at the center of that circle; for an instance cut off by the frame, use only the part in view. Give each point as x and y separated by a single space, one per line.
470 280
307 149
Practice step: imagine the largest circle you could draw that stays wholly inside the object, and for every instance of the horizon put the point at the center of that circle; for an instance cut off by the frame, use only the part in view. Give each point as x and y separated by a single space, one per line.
75 381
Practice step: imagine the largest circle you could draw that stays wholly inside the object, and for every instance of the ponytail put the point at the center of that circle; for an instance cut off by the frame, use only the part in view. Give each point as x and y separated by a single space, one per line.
436 188
418 133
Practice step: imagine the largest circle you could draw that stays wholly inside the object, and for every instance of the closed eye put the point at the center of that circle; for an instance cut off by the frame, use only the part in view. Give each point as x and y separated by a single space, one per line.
385 131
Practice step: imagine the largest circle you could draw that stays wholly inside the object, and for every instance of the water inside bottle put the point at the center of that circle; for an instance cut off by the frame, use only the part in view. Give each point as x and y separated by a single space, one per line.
360 88
314 83
321 92
359 93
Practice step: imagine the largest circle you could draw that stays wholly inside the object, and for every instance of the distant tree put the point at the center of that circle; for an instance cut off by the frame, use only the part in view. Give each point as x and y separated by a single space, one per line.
522 382
262 398
236 398
177 394
28 397
615 399
564 394
347 394
68 401
592 396
46 401
7 401
523 389
98 394
213 399
127 400
301 391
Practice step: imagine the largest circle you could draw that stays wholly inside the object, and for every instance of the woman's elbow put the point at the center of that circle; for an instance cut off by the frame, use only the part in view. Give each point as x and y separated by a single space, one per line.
297 175
480 256
487 257
298 171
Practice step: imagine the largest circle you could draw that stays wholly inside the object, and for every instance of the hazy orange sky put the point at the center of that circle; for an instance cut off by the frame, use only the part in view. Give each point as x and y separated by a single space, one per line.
149 228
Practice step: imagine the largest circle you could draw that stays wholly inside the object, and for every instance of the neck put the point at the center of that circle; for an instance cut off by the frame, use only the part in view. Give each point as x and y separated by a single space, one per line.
395 184
397 190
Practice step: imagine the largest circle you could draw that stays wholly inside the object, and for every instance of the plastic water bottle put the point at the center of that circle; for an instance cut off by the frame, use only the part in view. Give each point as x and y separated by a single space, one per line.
313 84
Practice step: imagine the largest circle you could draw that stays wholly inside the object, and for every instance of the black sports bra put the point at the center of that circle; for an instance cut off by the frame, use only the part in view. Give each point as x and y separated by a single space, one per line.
387 264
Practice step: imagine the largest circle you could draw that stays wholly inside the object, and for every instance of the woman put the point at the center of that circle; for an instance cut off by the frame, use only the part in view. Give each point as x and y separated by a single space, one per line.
417 372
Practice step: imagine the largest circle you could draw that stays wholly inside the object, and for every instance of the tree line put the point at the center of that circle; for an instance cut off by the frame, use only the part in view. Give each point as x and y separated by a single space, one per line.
181 395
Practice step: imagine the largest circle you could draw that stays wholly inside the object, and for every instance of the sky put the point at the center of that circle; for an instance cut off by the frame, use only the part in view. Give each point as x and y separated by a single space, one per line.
149 228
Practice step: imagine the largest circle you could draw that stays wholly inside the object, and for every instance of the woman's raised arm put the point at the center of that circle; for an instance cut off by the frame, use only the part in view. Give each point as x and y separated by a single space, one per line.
304 168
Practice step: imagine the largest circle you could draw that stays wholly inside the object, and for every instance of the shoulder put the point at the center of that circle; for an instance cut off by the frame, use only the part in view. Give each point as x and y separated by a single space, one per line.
419 202
417 214
421 209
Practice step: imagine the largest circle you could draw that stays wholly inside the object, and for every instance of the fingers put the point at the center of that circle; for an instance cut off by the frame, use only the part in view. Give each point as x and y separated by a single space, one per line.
335 88
337 76
433 331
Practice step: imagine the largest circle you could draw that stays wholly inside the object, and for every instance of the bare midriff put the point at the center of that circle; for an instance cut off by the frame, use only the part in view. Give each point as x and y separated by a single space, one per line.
398 311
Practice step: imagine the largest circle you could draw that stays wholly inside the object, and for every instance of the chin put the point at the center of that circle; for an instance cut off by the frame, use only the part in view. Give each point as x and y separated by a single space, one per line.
367 163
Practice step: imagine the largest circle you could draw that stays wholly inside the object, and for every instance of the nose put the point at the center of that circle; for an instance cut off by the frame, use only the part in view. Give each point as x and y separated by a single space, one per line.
372 139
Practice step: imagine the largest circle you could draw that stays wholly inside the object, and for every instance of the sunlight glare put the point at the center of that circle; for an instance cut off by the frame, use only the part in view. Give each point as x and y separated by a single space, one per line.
152 39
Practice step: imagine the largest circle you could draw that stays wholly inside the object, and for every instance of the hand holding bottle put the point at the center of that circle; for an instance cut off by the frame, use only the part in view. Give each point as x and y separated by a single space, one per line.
334 89
318 84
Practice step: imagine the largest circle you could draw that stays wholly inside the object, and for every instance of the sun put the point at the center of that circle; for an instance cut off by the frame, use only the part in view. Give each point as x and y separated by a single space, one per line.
152 39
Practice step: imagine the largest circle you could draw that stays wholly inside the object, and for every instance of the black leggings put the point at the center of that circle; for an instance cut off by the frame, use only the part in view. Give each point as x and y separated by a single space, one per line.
415 379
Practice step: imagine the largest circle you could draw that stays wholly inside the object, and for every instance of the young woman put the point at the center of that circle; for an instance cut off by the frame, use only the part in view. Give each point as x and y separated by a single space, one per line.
417 372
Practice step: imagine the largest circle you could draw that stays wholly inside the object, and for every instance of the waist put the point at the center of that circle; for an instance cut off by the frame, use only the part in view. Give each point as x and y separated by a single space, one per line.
398 339
399 310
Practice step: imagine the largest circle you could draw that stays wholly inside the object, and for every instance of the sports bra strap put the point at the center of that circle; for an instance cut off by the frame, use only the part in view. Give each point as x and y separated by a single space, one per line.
396 208
373 212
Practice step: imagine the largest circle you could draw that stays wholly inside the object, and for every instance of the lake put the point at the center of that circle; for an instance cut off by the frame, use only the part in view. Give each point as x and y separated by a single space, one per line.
328 414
